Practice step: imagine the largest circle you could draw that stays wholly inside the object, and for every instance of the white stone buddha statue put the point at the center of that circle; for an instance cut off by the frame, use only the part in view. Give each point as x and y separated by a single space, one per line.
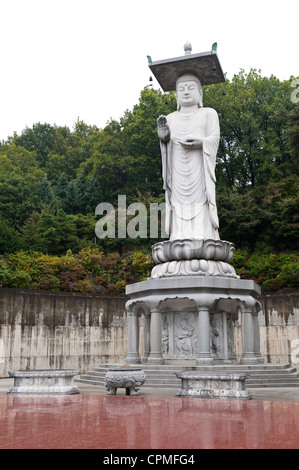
189 140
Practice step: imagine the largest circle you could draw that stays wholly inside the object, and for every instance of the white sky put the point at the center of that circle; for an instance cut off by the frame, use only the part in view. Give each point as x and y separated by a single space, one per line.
67 59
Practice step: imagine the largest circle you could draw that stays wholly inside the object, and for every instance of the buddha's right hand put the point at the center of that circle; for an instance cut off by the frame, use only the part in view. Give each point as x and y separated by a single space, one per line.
163 129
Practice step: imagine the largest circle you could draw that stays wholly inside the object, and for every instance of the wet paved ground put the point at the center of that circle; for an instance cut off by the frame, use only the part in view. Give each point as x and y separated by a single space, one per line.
156 419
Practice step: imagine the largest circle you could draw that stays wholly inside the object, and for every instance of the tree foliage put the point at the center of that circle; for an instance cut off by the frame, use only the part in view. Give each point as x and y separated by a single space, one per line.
255 116
52 178
89 270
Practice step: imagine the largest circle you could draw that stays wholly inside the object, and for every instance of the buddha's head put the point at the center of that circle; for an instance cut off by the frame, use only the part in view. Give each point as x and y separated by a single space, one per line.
188 91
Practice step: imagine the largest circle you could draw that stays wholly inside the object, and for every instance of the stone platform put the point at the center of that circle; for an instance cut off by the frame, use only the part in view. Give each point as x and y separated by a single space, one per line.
44 382
159 377
216 384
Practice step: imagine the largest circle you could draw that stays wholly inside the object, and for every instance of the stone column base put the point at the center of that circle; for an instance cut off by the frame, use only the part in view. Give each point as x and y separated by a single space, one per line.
204 360
249 358
133 359
155 360
260 358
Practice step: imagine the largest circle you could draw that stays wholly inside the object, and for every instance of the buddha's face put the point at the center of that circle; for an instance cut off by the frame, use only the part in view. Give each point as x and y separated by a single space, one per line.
188 93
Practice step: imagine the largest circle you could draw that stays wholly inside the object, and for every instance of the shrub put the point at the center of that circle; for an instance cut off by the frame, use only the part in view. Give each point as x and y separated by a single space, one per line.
273 271
92 270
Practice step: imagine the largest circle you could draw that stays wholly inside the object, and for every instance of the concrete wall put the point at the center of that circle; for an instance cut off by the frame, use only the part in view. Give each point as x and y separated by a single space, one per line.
279 328
42 330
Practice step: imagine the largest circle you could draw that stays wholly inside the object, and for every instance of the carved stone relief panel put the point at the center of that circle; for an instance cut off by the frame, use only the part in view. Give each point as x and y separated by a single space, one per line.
185 335
221 335
216 334
230 336
165 334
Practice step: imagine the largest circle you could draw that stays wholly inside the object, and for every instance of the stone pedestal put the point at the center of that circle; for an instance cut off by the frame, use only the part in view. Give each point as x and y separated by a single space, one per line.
130 378
179 313
190 304
216 384
44 382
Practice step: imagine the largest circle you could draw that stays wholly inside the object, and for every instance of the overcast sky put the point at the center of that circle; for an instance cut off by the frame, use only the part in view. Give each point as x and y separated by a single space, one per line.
67 59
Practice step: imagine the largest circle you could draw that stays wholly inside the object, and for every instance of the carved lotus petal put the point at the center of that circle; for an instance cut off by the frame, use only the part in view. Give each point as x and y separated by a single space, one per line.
181 250
193 267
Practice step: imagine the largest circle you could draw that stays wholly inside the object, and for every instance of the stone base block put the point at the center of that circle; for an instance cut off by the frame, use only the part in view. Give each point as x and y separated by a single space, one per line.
130 378
213 385
133 359
44 382
155 360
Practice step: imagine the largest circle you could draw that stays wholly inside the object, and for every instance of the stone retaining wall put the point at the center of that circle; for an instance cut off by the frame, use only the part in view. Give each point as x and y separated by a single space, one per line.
279 329
44 330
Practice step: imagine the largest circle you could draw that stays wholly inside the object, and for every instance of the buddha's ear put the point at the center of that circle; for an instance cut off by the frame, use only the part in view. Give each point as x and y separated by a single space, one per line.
200 103
178 105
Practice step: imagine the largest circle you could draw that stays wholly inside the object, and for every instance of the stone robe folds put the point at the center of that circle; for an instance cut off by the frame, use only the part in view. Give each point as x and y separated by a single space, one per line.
189 175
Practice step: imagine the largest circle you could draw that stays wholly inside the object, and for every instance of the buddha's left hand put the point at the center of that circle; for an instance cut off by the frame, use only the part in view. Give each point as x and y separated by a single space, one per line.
191 143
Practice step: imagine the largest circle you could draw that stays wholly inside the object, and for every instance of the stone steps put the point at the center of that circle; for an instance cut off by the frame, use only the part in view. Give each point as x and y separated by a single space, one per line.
261 375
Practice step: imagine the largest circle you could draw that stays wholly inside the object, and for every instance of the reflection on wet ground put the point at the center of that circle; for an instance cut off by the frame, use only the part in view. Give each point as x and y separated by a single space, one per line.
145 422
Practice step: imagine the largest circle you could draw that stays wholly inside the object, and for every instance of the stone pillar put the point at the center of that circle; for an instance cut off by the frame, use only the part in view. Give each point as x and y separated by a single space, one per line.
155 356
256 339
248 356
133 338
204 349
224 330
146 338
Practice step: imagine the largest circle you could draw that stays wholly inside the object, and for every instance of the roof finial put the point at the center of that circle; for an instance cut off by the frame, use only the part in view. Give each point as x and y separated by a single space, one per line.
187 48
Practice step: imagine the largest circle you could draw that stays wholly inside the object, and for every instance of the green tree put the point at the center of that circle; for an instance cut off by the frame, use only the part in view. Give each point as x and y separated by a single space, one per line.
72 202
61 188
126 156
257 169
92 196
47 194
293 134
41 139
20 180
9 238
254 147
55 232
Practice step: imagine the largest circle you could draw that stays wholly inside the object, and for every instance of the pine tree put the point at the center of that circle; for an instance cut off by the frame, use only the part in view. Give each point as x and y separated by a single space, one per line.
71 204
61 186
47 194
81 187
60 190
92 195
